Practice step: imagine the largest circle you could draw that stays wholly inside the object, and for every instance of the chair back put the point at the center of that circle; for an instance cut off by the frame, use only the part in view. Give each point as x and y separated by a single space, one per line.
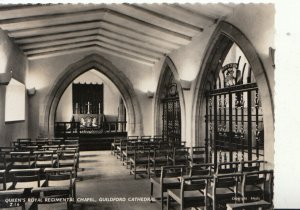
3 159
58 174
258 184
3 180
201 169
141 153
20 160
172 171
180 156
44 159
197 155
194 183
253 165
227 167
31 177
133 138
66 158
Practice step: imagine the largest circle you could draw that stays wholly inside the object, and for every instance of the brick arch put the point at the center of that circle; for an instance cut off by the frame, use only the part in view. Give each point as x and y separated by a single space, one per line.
99 63
223 37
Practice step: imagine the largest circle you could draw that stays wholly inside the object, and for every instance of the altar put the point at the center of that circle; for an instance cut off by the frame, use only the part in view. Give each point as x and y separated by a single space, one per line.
95 129
89 120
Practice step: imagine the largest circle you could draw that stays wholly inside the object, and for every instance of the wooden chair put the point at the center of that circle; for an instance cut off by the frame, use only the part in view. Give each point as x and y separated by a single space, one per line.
3 161
157 138
146 138
121 148
197 155
200 169
29 148
257 185
224 189
44 159
157 159
71 141
21 160
249 166
227 167
179 156
22 142
114 145
129 152
3 179
77 153
7 150
169 179
67 158
59 183
52 147
256 190
139 160
42 141
256 205
25 178
10 194
192 192
56 141
134 138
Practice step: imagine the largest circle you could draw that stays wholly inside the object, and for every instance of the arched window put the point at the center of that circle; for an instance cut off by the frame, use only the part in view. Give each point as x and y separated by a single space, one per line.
234 122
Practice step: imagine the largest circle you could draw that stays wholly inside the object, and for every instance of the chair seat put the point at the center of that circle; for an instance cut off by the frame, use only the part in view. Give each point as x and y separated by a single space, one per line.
51 188
194 195
222 193
139 161
22 164
61 182
42 164
251 188
168 182
9 193
24 185
247 206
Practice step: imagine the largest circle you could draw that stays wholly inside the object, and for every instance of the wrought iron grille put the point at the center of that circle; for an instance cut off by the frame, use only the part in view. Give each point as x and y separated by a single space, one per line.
234 120
171 115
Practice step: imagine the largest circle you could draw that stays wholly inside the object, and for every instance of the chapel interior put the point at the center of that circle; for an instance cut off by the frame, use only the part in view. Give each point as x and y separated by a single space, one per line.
137 106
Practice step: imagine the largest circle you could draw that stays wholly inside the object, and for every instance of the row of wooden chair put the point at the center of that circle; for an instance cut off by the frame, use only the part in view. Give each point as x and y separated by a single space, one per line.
152 158
193 187
51 168
119 144
21 142
66 156
29 184
147 154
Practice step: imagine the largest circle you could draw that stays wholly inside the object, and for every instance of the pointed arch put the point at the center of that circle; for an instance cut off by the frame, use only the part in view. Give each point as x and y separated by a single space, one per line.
221 41
167 69
99 63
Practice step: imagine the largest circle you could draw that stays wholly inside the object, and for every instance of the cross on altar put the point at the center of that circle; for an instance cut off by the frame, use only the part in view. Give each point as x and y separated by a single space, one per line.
88 107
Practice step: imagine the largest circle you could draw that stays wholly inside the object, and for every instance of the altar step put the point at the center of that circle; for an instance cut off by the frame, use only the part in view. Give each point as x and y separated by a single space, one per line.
89 142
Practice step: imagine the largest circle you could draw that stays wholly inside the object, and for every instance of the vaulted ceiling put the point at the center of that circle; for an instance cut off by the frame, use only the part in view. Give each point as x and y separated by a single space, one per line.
139 32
